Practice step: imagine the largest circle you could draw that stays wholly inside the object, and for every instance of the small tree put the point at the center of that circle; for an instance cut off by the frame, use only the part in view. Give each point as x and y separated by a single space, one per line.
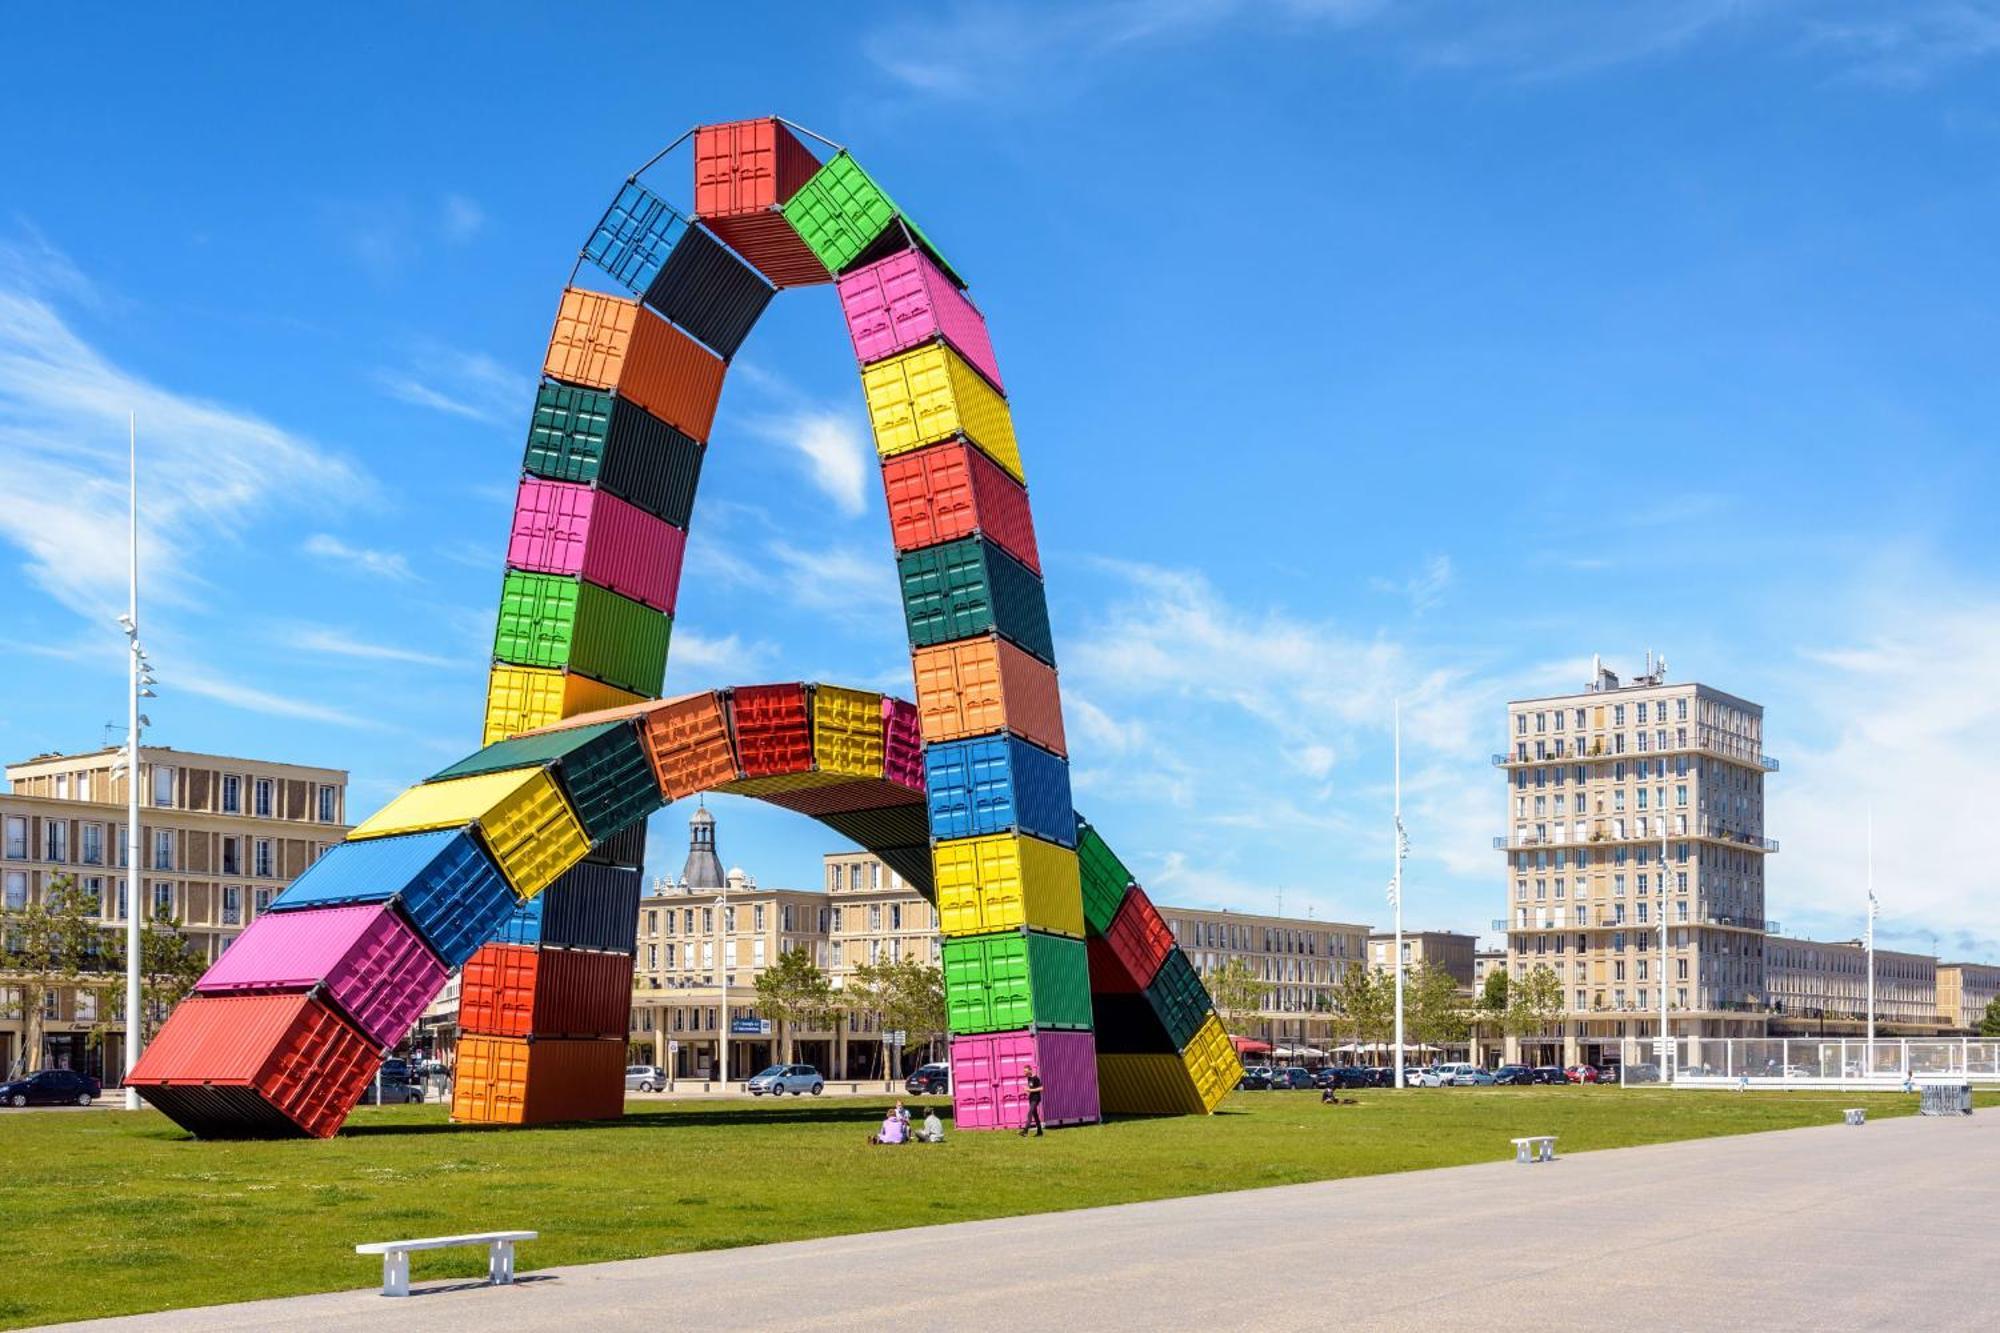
1238 993
901 994
1434 1010
1366 999
794 993
1535 1003
1493 998
51 943
1989 1024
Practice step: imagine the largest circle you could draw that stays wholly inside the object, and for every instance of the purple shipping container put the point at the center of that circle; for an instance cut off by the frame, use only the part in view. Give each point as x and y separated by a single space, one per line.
989 1080
902 744
563 528
904 300
377 969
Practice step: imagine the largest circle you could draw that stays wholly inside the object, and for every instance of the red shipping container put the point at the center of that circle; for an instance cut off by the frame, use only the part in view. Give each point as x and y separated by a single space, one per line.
255 1066
744 171
902 744
1108 975
564 528
520 990
953 490
1139 937
899 302
989 1078
605 342
520 1081
773 727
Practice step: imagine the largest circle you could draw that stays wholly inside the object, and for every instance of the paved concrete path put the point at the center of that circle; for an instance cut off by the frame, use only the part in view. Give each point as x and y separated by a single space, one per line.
1889 1225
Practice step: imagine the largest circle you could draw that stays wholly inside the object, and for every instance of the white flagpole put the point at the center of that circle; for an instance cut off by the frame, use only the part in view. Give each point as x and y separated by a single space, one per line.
1397 882
134 1021
1870 1059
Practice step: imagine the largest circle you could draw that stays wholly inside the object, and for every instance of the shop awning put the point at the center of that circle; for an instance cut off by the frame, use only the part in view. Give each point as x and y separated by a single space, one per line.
1250 1046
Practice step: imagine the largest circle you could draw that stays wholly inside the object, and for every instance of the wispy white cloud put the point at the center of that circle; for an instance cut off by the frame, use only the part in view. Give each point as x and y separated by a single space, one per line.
833 448
1423 589
331 642
459 383
460 218
1910 44
701 661
189 678
382 564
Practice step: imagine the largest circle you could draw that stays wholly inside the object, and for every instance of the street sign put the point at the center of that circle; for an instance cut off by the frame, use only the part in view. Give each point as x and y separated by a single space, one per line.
673 1048
750 1027
1659 1046
894 1037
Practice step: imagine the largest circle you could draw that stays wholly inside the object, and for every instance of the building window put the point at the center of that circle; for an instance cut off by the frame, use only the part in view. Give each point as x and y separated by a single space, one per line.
757 951
17 838
163 849
163 898
262 851
163 785
56 837
17 890
329 798
757 917
232 856
93 844
232 905
262 900
232 794
262 798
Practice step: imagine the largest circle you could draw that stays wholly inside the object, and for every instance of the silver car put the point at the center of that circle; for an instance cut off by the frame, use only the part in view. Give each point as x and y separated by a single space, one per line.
644 1078
781 1079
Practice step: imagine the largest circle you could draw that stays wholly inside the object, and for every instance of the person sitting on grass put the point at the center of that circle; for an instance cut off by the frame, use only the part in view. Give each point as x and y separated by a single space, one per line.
933 1130
894 1130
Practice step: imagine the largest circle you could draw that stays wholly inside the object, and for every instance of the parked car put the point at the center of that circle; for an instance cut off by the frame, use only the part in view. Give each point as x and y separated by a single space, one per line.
1548 1074
1581 1074
1472 1077
1513 1074
1449 1071
1381 1076
396 1067
387 1091
1343 1076
644 1078
1430 1076
1292 1077
1647 1072
931 1080
51 1087
1255 1079
781 1079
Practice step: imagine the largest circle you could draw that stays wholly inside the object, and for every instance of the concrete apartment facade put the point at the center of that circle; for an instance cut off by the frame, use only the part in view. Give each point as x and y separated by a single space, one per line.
1634 807
1820 988
1445 949
219 836
1301 960
1964 990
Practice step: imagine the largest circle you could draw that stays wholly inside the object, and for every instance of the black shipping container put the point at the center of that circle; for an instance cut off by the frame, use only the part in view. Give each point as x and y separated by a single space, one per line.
705 289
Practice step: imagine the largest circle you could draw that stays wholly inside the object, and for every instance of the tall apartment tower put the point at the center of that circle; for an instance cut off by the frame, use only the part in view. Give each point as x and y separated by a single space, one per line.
1599 784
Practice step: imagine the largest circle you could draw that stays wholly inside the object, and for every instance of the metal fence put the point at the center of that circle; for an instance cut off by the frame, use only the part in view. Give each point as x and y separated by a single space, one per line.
1812 1062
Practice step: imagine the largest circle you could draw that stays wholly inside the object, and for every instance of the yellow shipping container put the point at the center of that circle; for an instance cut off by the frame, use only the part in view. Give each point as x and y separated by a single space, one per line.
1212 1063
1146 1085
930 394
1004 881
847 731
521 699
529 827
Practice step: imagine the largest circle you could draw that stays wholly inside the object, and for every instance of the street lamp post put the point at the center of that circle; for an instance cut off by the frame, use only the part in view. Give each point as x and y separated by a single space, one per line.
139 685
1874 909
722 972
1402 851
1666 1041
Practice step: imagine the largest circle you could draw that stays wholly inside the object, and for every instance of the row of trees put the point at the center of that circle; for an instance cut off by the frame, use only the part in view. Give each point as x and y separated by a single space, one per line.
1434 1013
59 942
901 995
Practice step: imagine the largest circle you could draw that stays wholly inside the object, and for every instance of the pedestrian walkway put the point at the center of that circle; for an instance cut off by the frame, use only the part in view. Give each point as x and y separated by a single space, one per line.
1878 1226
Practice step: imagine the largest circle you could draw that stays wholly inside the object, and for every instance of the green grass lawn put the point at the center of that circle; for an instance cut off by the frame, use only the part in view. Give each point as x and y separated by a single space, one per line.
87 1196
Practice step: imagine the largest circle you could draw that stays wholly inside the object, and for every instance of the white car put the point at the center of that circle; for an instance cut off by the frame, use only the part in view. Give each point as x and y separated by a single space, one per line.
1452 1073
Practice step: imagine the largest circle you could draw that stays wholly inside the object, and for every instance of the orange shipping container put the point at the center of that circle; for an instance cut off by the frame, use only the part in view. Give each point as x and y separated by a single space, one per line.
515 1081
687 740
977 687
519 990
602 342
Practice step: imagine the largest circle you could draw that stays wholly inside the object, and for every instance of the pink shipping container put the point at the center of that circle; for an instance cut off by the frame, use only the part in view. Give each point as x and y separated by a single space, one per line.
903 744
371 963
893 305
989 1079
563 528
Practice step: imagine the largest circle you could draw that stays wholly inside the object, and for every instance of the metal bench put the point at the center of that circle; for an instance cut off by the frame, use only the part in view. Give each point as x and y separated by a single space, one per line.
1535 1148
396 1256
1856 1115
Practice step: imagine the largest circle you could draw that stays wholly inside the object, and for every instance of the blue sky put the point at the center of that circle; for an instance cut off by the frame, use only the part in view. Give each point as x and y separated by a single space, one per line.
1358 351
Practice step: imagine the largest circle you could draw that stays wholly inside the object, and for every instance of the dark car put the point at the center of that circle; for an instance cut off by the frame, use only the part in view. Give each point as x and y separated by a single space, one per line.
1514 1074
51 1087
1381 1076
932 1080
1640 1073
1341 1076
1548 1074
1254 1080
396 1067
1292 1077
387 1091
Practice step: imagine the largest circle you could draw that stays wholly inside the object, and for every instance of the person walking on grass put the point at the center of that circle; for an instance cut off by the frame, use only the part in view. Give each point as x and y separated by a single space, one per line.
1034 1103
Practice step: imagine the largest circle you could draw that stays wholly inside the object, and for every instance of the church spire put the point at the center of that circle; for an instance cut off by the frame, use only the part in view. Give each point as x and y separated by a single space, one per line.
704 868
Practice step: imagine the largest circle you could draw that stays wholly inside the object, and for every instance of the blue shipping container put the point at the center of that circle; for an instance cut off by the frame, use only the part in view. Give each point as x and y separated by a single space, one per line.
588 907
638 232
444 882
996 783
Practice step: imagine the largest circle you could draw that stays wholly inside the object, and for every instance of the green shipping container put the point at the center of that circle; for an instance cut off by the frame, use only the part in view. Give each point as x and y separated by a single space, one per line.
600 439
1105 878
602 769
962 589
549 620
1179 999
1016 979
841 214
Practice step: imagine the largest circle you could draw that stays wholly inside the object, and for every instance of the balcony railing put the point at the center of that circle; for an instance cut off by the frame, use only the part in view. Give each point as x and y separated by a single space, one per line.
1706 830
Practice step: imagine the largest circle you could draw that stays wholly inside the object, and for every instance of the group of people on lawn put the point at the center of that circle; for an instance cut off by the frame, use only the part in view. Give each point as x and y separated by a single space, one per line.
896 1125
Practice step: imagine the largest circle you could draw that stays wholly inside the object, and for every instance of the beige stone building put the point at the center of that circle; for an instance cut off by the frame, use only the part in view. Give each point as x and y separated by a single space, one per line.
219 837
1445 949
1632 808
1301 960
1964 990
1820 988
1485 962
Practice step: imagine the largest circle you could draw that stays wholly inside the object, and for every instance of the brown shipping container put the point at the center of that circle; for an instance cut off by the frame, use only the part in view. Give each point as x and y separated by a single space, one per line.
687 740
978 687
603 342
516 1081
519 990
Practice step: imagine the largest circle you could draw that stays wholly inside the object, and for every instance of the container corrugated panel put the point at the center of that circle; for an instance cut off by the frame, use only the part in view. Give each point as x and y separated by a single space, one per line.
372 963
705 289
1107 974
531 751
989 1079
444 882
966 588
783 783
1126 1024
942 492
839 212
528 825
768 241
1212 1063
845 795
636 236
554 621
514 990
570 528
625 849
588 907
605 342
902 744
599 439
993 784
930 394
303 1064
847 731
747 166
602 768
1146 1085
522 699
1016 979
913 864
905 301
978 687
496 991
1105 878
1139 937
1001 882
1179 998
514 1081
892 826
688 741
773 729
